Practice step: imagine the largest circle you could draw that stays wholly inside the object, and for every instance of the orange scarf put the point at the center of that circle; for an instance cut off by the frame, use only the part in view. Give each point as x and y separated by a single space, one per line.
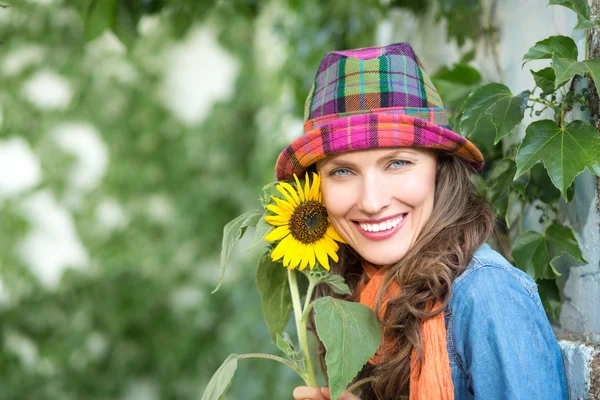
435 380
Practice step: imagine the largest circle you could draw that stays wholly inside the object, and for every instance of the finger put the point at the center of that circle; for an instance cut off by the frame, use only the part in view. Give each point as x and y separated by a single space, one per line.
345 396
308 393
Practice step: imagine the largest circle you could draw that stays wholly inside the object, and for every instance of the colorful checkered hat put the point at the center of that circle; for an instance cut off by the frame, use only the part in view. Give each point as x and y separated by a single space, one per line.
370 98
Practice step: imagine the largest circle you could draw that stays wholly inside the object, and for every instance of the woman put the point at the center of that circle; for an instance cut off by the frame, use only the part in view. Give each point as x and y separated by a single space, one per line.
458 321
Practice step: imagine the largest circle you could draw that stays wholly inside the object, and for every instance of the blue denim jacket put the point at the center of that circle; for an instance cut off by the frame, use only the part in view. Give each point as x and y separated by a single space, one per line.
499 339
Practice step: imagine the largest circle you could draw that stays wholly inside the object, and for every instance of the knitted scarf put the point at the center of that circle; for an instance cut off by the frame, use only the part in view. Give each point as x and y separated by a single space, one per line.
435 379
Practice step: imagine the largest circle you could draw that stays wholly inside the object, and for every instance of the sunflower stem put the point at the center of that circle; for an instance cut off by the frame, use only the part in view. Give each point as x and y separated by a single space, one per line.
301 327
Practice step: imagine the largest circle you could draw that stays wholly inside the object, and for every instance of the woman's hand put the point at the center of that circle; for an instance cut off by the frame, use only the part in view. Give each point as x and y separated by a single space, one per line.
311 393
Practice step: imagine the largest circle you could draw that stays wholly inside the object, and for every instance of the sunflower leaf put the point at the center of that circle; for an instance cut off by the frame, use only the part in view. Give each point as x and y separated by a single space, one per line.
232 232
221 380
350 334
284 343
276 299
336 282
262 229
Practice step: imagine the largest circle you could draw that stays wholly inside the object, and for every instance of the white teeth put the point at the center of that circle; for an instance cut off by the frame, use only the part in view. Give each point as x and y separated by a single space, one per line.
382 226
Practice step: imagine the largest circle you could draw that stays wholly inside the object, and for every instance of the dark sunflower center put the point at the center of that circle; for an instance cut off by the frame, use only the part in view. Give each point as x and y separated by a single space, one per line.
309 222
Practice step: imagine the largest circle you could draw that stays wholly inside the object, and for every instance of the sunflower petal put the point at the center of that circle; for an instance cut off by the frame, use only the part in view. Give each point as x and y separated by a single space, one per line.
305 257
291 191
290 253
306 187
278 233
331 247
295 261
281 212
322 256
299 189
280 249
315 187
277 220
332 233
286 195
283 204
311 256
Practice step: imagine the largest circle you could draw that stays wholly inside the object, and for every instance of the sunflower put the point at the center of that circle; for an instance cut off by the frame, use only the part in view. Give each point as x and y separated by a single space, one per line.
302 226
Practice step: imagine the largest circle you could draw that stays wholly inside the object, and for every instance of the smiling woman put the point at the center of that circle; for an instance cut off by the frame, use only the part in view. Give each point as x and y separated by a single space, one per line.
458 321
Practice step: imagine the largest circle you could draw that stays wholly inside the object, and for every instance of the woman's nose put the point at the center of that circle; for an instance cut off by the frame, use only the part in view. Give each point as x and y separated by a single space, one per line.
375 195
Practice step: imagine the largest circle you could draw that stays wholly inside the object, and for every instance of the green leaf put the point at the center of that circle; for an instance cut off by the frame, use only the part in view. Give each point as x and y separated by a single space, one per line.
454 85
101 15
542 188
220 381
492 108
567 68
565 152
467 57
583 24
545 79
561 239
498 184
232 232
262 229
284 343
550 296
521 184
336 282
350 334
581 7
562 46
535 253
276 299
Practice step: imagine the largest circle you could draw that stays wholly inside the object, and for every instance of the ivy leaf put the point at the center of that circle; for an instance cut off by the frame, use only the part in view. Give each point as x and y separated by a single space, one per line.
535 253
276 299
565 152
455 84
583 24
221 380
232 232
581 7
550 296
336 282
561 239
566 69
492 107
520 184
542 187
499 180
545 79
351 336
562 46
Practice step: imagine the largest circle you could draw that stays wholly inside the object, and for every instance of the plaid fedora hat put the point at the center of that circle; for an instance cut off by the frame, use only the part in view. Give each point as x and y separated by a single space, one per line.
371 98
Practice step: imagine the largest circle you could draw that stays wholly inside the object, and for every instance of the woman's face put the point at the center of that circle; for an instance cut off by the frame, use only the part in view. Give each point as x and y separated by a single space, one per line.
379 199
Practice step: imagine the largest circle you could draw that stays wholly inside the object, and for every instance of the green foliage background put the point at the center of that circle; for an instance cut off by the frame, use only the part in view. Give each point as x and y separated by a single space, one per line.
139 322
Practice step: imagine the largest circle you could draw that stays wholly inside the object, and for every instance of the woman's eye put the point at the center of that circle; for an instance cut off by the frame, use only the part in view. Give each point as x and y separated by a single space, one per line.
398 163
340 172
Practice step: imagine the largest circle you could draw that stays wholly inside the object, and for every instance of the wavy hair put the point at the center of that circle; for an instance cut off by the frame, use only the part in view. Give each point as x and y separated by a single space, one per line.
460 222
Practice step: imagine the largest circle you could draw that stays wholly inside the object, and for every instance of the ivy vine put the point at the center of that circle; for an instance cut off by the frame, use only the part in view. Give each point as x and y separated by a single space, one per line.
532 173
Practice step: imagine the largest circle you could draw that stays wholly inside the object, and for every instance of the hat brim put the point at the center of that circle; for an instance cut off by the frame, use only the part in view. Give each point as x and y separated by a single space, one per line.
371 131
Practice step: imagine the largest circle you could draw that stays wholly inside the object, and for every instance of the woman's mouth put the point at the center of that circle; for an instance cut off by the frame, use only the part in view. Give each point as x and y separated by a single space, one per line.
381 230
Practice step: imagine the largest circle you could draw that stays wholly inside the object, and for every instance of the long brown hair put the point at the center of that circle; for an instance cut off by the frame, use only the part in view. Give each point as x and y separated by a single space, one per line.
459 224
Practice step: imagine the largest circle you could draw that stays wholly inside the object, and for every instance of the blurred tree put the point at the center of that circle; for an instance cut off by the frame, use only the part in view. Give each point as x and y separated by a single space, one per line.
133 317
